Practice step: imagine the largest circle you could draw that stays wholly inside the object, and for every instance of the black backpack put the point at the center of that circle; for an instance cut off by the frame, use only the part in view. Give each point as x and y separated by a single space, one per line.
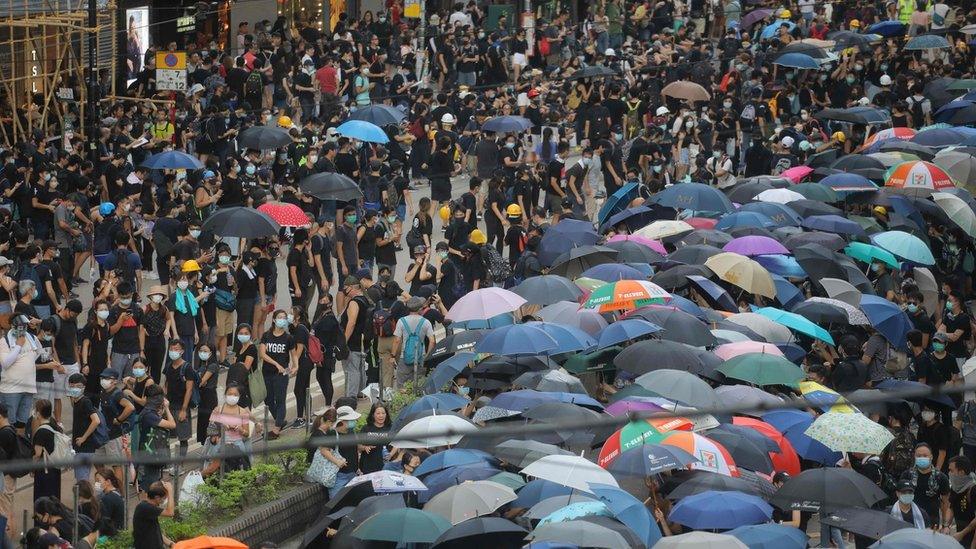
22 450
383 322
915 107
103 236
28 271
254 85
496 267
123 267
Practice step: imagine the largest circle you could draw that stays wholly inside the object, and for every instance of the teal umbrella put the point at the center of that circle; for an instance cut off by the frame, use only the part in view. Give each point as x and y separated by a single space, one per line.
905 245
869 253
796 322
577 510
403 526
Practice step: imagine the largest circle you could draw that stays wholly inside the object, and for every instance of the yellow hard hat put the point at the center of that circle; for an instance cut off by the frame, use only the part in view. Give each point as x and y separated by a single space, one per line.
514 210
880 210
190 266
477 237
839 136
785 14
284 121
445 213
855 23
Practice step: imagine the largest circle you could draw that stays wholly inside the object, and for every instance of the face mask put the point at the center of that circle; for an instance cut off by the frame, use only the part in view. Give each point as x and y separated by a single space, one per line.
587 161
183 284
875 267
443 255
481 35
125 302
937 347
232 399
906 499
858 68
173 355
351 218
690 124
224 259
510 145
103 314
912 308
618 136
212 279
463 391
391 219
849 79
249 170
281 323
657 169
47 337
716 154
243 338
291 319
36 293
105 383
804 117
139 372
156 299
195 233
923 462
948 305
312 159
75 392
98 487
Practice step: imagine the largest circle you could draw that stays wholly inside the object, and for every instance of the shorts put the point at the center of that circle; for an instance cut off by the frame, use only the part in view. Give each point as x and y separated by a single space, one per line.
440 190
225 322
519 59
19 406
112 449
184 430
49 390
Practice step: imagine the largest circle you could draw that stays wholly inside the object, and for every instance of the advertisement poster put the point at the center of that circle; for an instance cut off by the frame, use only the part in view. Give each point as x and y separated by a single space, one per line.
137 40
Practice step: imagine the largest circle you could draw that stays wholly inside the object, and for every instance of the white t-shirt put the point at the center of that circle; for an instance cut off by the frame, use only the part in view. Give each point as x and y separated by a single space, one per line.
411 321
806 6
21 375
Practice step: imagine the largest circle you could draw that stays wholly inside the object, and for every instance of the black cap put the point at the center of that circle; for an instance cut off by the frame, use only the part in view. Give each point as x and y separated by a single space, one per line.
419 249
110 373
905 486
426 291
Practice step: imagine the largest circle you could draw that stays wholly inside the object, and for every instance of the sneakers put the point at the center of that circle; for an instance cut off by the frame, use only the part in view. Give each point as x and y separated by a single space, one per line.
298 423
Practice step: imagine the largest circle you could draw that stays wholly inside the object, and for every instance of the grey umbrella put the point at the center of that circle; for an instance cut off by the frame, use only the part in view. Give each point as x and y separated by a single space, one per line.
546 507
469 500
548 289
580 534
683 387
558 381
678 325
695 254
864 522
520 453
570 314
578 259
914 537
702 481
655 354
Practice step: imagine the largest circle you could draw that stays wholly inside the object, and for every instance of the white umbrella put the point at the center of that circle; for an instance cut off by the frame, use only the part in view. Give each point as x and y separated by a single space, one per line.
854 315
771 331
700 540
841 290
925 281
730 336
573 471
958 211
469 500
746 396
779 196
433 431
664 228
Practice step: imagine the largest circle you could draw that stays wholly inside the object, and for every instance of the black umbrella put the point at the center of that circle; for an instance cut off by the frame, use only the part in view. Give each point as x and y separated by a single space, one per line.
380 115
592 71
709 362
520 453
676 277
702 481
678 325
938 93
746 192
632 252
856 115
508 368
829 488
560 412
928 208
263 138
704 236
864 522
739 232
831 241
655 354
638 216
548 289
822 159
818 262
821 313
331 186
776 181
482 533
851 162
695 254
807 207
241 222
900 145
459 341
744 451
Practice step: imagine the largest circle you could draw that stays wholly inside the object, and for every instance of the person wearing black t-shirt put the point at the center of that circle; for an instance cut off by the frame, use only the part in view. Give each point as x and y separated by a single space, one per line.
299 264
84 421
146 531
276 350
47 482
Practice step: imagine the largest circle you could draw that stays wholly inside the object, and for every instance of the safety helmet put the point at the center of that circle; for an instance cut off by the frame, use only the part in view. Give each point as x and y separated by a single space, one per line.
514 210
190 266
785 14
477 237
106 208
445 213
448 118
284 121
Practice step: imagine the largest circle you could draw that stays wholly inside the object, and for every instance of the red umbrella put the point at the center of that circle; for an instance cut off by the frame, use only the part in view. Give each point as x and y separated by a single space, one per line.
285 214
786 459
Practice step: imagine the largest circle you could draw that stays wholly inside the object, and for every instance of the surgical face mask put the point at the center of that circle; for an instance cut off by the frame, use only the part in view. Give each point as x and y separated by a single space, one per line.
875 267
937 347
443 255
243 338
849 79
948 305
125 302
587 160
183 284
510 144
75 392
804 116
47 337
138 372
156 298
923 462
232 399
481 35
98 487
281 322
212 279
102 314
618 136
224 259
906 499
291 319
352 218
716 154
204 355
173 355
858 67
657 168
463 391
250 169
36 293
727 104
391 218
105 383
912 308
690 124
195 233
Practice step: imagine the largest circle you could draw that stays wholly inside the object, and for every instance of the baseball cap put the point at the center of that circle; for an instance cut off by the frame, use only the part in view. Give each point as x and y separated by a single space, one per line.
4 261
426 291
941 336
787 141
419 249
110 373
364 273
905 486
351 280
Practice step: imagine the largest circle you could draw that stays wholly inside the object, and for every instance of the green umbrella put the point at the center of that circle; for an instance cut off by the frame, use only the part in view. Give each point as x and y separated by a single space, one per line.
905 245
869 253
511 480
402 526
588 284
963 84
816 191
869 225
761 369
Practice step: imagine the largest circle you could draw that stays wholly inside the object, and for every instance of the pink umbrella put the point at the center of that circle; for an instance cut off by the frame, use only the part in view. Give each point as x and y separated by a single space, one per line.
701 222
753 245
484 303
797 173
732 350
625 406
642 240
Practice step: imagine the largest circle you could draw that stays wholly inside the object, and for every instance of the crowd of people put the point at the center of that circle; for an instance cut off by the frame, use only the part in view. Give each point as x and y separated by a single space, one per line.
512 152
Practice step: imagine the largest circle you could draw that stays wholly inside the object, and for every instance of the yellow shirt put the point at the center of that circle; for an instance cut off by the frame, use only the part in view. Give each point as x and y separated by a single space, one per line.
163 131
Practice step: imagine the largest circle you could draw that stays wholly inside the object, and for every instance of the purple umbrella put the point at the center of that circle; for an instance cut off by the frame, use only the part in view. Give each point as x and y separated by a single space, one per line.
624 406
755 245
753 17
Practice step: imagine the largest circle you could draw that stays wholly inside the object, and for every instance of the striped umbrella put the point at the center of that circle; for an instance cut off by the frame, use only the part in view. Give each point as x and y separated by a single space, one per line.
890 133
918 176
625 295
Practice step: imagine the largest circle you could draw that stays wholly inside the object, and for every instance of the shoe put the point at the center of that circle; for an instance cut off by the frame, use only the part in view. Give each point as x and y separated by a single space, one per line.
78 280
298 423
272 435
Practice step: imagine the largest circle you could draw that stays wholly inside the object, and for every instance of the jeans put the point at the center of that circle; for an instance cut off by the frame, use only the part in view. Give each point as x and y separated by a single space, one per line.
43 311
83 469
829 534
354 369
277 385
123 362
467 78
188 347
19 406
341 480
602 42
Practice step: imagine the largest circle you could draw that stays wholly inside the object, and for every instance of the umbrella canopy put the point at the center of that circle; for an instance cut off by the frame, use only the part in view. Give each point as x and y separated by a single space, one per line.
918 177
793 424
572 471
405 525
797 61
786 459
569 313
686 90
732 350
678 325
482 533
331 186
263 138
285 214
781 214
625 295
549 505
484 303
625 238
663 228
764 326
547 289
915 537
631 251
762 369
505 124
754 16
453 457
618 201
241 222
578 533
926 42
564 236
649 459
816 191
745 219
173 160
743 397
521 453
848 182
435 430
573 262
575 511
888 319
700 540
209 542
841 290
870 254
747 452
755 245
770 536
469 500
389 482
849 433
680 386
363 131
695 254
694 196
716 510
711 455
630 511
829 487
592 71
379 115
742 272
634 433
834 224
864 522
797 323
823 310
958 211
715 295
628 329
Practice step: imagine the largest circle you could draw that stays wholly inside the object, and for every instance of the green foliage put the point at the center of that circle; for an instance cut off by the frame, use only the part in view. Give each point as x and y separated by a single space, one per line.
187 527
407 394
122 540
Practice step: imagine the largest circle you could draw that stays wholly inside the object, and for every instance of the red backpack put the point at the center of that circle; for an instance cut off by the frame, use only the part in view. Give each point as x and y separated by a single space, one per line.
315 351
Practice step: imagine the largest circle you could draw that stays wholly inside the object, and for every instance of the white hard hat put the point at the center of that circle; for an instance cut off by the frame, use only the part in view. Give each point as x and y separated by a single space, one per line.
448 118
661 111
787 141
885 80
864 101
610 53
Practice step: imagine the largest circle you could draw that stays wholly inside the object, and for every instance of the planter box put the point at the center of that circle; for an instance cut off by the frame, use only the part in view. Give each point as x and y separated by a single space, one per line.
278 520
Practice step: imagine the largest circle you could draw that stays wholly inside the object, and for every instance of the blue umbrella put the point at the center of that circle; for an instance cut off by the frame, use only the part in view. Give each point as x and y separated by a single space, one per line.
903 385
720 510
644 269
797 61
888 28
904 206
745 219
714 294
888 319
618 201
441 480
568 338
686 305
505 124
772 29
781 214
833 224
938 137
381 115
927 42
793 424
946 111
783 265
627 329
694 196
630 511
796 322
650 459
522 400
786 293
636 217
793 352
497 321
537 490
770 536
564 236
436 401
612 272
172 160
756 437
453 457
850 182
576 510
517 339
363 131
446 370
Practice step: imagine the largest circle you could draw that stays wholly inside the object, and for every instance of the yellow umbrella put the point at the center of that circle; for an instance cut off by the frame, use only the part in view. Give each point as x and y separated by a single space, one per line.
743 272
663 228
811 387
